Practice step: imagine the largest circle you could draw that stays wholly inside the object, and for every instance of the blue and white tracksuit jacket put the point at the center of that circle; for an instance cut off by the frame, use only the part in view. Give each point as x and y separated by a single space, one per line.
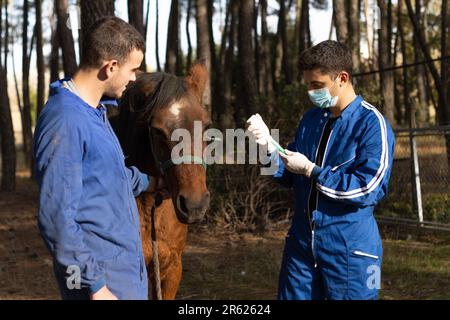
336 254
88 215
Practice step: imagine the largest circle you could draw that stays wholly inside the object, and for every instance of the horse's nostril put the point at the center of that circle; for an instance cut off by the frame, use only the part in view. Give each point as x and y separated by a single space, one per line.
182 204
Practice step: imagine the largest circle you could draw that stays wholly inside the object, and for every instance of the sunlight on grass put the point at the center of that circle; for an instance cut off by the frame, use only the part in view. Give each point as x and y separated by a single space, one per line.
249 270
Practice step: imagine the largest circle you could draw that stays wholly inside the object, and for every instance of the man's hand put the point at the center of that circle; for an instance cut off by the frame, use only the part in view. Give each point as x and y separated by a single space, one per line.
296 162
103 294
261 132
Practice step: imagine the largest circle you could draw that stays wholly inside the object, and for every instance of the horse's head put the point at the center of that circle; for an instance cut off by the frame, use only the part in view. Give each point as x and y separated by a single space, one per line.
152 108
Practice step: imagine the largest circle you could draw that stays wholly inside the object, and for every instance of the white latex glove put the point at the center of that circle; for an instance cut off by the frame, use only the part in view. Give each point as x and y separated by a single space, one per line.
261 132
298 163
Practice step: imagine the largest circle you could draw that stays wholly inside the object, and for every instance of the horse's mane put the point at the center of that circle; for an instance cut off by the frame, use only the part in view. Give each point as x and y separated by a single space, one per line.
153 91
147 95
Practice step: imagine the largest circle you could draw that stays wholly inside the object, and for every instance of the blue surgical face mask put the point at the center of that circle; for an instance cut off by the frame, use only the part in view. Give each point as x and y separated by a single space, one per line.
322 97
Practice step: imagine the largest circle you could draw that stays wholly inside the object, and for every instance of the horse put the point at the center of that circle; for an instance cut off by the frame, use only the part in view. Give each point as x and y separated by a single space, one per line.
153 107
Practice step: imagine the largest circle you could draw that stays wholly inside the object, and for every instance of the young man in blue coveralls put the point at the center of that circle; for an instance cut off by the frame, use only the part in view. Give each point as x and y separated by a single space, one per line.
338 165
88 216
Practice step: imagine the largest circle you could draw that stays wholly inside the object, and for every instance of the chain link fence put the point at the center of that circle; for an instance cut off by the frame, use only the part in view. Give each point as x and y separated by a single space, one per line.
419 189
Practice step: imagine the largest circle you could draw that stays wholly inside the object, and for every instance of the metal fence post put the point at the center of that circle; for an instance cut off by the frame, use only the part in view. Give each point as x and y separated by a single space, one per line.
417 192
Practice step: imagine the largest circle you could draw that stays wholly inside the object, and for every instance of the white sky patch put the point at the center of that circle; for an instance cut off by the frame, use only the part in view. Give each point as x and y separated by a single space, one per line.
320 24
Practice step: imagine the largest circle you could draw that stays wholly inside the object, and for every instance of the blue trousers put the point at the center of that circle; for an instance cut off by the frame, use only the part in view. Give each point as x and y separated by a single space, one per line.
125 276
343 262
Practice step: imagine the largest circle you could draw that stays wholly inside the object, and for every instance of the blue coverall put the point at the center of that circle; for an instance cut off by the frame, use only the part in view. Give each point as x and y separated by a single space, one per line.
88 215
335 251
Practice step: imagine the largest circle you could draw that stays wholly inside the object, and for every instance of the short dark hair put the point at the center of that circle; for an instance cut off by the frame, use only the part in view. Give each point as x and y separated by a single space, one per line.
109 38
330 57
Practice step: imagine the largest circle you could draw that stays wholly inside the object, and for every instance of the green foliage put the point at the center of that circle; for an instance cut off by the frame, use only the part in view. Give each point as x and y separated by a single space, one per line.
436 207
369 89
288 110
394 208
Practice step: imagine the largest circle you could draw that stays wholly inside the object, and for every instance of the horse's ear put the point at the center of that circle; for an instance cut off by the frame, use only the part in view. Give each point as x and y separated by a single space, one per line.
197 78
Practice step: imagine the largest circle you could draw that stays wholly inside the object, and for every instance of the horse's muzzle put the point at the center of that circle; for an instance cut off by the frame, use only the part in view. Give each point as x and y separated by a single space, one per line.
190 210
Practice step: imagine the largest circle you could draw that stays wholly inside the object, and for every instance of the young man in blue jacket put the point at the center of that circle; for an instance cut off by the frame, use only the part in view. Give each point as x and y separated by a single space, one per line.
339 166
88 216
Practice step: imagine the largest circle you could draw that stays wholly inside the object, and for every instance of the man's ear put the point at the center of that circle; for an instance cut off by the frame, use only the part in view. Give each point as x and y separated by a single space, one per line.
197 78
110 68
344 77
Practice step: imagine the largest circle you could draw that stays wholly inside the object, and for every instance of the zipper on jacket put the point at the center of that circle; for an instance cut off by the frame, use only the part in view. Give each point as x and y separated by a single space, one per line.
119 152
313 225
312 246
309 213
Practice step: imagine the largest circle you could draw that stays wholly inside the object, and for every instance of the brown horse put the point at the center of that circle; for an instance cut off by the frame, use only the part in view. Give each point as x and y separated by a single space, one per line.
151 109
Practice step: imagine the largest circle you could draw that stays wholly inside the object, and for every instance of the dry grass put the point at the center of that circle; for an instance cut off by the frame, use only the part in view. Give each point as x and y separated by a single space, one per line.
426 145
247 266
216 265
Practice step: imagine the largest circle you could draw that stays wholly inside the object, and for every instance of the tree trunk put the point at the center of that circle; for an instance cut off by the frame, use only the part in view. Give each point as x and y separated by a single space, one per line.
27 130
172 48
445 65
341 23
223 41
203 46
65 39
246 58
443 111
443 107
212 45
136 19
40 57
398 78
369 34
91 11
54 54
445 69
257 46
283 70
147 17
188 35
8 149
421 112
278 61
220 104
406 88
302 32
158 63
387 78
298 39
1 29
136 15
16 87
5 63
266 65
354 34
228 115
